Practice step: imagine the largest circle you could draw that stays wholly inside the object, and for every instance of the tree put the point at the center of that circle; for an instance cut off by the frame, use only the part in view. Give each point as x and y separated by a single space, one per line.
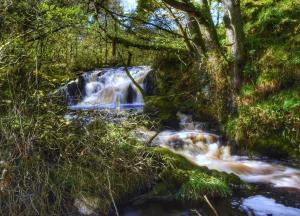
235 37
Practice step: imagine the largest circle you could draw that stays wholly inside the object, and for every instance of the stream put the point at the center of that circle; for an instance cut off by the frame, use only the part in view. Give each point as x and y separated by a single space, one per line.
277 184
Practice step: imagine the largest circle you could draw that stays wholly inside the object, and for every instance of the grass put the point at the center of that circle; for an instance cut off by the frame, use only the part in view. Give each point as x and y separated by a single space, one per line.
50 162
200 184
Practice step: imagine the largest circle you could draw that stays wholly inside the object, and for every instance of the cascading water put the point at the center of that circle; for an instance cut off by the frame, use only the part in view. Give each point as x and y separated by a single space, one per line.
204 149
112 88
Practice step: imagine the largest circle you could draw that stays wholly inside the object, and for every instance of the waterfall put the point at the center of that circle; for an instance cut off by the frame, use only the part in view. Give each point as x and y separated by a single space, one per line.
112 88
205 149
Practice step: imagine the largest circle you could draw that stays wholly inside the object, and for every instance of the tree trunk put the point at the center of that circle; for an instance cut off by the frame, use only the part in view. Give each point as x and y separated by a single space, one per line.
235 37
114 44
199 45
207 27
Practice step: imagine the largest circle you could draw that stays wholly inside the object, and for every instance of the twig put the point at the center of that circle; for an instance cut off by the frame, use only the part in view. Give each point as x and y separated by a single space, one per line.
198 213
129 75
152 138
210 205
111 196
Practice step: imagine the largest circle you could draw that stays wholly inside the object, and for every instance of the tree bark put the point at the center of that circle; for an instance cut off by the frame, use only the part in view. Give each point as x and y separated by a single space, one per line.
207 28
235 38
196 36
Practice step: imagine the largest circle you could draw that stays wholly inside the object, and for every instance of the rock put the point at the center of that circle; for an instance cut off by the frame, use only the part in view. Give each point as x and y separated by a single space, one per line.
176 142
201 138
144 135
81 82
131 94
212 138
148 83
72 89
86 205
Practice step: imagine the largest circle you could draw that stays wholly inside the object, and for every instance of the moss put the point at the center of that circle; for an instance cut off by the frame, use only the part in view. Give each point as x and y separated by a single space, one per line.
185 181
200 184
274 147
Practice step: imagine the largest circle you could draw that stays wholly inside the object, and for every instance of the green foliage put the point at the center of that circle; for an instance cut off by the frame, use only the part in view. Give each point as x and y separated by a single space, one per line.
271 123
200 184
184 85
267 17
51 161
248 90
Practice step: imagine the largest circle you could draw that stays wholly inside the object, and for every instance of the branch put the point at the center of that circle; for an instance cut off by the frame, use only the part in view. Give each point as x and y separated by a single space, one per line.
190 9
111 195
181 6
129 75
129 43
112 13
210 205
183 32
41 36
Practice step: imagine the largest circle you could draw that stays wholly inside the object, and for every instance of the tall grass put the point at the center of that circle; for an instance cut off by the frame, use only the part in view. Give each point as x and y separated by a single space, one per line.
49 162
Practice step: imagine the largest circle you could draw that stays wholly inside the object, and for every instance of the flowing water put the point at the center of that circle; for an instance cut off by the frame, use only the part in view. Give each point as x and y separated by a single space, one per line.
204 149
279 193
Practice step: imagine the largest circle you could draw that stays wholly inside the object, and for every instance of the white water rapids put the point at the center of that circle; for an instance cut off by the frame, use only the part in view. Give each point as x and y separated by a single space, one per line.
204 149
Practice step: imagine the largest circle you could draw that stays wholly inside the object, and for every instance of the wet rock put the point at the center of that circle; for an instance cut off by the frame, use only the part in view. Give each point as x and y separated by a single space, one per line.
73 89
201 138
212 138
176 143
81 85
87 205
131 94
149 83
144 135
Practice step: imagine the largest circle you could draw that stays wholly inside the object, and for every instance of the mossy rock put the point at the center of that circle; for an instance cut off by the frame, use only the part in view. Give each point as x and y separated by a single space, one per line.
273 147
186 181
173 160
